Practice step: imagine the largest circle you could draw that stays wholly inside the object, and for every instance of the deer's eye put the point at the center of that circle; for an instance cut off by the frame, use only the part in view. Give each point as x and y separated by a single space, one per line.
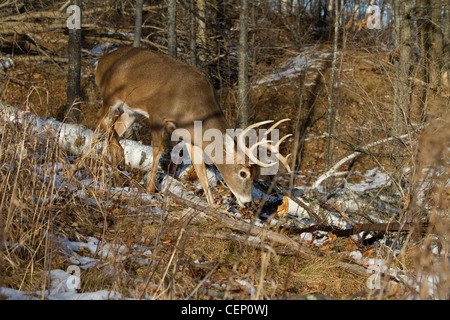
243 174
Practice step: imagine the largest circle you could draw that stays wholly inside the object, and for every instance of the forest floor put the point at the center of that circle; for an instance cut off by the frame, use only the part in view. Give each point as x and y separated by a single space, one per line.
62 211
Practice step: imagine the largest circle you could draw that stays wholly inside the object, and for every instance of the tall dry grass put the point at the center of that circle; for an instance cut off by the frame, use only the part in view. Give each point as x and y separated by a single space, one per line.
47 196
431 200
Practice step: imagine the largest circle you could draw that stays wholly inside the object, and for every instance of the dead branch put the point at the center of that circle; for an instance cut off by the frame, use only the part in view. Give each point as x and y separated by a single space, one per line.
333 170
266 235
35 15
365 227
33 59
7 3
60 14
20 27
314 216
252 241
154 7
222 218
312 296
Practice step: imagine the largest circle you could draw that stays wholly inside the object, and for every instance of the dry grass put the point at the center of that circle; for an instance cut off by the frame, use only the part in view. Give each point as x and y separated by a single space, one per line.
41 204
43 200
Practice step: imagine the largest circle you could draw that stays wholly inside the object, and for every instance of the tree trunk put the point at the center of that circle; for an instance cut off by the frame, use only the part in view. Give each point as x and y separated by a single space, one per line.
138 24
72 110
192 34
423 71
331 112
243 65
403 42
201 5
436 41
446 68
433 40
389 13
172 28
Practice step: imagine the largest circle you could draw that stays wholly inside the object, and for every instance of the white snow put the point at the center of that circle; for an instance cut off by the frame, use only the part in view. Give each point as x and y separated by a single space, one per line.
139 155
60 289
308 58
373 178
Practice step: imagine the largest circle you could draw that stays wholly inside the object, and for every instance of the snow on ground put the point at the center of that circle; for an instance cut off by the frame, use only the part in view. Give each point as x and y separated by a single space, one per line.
309 59
64 284
373 178
62 287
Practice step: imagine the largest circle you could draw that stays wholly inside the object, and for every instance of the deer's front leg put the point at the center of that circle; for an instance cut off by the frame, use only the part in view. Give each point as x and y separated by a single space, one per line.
198 161
116 152
158 148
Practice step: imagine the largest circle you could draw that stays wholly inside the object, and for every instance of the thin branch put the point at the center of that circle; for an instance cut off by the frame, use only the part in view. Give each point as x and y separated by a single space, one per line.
266 235
333 170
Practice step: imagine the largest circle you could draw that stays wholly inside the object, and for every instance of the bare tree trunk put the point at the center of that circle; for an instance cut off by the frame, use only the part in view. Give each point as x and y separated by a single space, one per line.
331 112
389 13
433 40
401 107
192 34
424 61
72 110
446 68
437 41
138 23
201 5
298 143
243 65
172 28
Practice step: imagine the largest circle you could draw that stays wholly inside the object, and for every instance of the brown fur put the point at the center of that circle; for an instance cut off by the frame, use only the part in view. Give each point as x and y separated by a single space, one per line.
174 95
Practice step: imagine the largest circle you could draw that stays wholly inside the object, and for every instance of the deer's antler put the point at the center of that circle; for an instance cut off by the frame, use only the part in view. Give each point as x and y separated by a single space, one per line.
264 143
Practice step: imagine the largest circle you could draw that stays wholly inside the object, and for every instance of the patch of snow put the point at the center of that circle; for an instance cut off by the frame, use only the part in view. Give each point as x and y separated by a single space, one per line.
60 289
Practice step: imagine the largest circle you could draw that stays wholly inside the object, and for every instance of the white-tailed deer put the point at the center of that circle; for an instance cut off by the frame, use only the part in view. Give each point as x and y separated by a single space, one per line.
171 95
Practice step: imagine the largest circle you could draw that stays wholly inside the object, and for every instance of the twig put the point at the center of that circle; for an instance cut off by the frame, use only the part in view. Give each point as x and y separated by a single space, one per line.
40 49
343 214
290 245
314 216
203 281
252 241
7 3
333 170
366 227
64 6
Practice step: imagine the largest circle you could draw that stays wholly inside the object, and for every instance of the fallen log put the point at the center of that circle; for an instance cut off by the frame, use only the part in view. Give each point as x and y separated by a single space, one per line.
19 27
83 142
60 14
76 140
